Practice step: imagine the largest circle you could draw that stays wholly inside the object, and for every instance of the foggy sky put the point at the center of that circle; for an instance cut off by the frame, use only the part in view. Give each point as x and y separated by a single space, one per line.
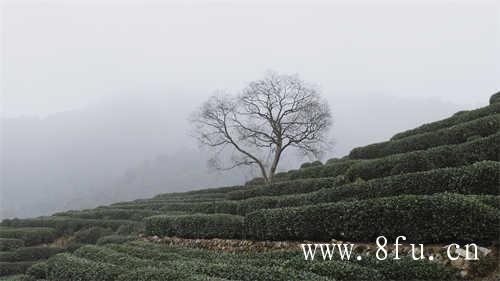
96 91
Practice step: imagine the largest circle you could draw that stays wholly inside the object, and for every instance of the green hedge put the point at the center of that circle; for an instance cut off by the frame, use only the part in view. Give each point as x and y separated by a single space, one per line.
286 188
495 98
196 226
70 268
29 254
201 192
459 133
91 235
478 178
38 270
489 200
487 148
30 235
311 164
225 207
154 274
115 239
8 244
440 218
67 225
109 214
453 120
11 268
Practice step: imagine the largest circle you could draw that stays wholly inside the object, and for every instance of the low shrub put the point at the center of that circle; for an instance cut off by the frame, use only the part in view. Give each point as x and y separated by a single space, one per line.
201 192
110 213
130 229
67 225
38 270
70 268
311 164
29 254
479 178
451 121
115 239
487 148
286 188
495 98
459 133
408 269
8 244
425 219
196 226
91 235
226 207
489 200
11 268
30 235
154 274
109 256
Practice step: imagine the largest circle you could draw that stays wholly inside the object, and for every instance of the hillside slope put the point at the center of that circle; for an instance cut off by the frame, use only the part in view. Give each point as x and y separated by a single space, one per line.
436 184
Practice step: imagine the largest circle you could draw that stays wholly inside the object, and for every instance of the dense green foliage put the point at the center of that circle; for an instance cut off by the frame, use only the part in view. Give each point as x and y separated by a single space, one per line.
11 268
115 239
71 268
479 178
423 219
286 187
495 98
451 121
91 235
109 214
38 270
67 225
196 225
487 148
459 133
30 236
7 244
29 254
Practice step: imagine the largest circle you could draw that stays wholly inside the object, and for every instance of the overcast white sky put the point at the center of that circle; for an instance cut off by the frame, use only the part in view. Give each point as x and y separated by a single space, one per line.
62 55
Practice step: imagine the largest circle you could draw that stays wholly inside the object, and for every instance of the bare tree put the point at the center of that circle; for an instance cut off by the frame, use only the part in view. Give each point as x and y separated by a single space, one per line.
268 117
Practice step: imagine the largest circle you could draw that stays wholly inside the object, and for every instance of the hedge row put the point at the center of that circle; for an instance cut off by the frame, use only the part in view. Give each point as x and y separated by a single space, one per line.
30 235
459 133
67 225
70 268
109 214
424 219
225 207
8 244
38 270
29 254
200 192
196 226
495 98
91 235
478 178
115 239
338 270
214 268
11 268
286 188
487 148
451 121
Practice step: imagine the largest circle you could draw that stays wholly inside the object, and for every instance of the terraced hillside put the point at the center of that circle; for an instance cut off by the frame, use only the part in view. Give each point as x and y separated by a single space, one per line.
436 184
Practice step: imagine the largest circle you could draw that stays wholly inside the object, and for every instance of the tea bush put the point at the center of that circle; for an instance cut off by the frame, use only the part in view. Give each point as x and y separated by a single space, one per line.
423 219
196 226
459 133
